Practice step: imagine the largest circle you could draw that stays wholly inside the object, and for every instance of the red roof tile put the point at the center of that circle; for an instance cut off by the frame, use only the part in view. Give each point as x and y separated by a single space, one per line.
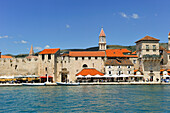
5 56
102 33
118 53
162 69
148 38
168 69
49 51
86 53
134 53
161 48
169 33
118 62
167 51
85 72
136 70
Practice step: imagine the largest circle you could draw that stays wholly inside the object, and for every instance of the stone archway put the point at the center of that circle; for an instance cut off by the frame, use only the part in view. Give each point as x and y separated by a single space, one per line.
152 76
64 75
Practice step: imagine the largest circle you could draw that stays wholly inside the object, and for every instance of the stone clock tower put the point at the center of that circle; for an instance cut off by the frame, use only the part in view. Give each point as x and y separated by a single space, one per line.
102 40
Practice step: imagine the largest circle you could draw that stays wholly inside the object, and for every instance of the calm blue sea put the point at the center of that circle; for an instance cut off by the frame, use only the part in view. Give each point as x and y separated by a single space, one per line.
97 98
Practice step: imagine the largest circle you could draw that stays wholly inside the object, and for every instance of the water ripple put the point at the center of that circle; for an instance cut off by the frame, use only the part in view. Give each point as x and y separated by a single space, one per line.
108 98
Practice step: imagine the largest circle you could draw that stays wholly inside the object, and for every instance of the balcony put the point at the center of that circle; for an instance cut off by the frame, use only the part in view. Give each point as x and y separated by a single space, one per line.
151 57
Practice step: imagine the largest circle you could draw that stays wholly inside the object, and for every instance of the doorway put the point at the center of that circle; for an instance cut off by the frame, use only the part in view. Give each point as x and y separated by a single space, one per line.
63 77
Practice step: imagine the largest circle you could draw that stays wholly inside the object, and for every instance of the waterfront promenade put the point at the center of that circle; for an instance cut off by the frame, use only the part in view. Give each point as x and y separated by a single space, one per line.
99 83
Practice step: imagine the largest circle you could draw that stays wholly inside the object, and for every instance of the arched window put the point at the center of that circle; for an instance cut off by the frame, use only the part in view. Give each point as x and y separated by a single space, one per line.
85 66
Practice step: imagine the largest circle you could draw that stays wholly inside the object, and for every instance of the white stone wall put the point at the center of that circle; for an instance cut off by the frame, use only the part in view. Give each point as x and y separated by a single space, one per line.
75 66
48 66
18 66
123 70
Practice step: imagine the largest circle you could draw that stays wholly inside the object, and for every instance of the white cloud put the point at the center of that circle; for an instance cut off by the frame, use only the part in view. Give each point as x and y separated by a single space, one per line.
47 46
67 26
135 16
4 36
20 42
38 48
23 41
124 15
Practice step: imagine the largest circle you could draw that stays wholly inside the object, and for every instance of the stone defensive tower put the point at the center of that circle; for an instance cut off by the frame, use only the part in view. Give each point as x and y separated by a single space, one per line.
147 50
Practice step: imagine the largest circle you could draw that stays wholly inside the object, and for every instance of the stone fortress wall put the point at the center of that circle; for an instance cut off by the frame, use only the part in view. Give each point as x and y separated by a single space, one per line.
18 66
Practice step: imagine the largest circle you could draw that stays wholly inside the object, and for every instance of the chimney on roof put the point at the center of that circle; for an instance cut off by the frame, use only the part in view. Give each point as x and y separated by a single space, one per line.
31 51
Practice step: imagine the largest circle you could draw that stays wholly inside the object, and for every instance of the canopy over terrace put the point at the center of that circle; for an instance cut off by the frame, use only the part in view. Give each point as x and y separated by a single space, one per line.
89 72
92 75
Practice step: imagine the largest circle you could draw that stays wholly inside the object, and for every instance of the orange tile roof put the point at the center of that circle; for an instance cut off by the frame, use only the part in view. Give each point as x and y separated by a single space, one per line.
49 51
167 51
169 33
118 62
136 70
134 52
85 72
86 53
162 69
148 38
132 56
5 56
102 33
118 53
161 48
168 69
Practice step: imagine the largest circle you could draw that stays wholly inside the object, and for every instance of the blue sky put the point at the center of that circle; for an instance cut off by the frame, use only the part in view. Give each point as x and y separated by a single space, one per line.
77 23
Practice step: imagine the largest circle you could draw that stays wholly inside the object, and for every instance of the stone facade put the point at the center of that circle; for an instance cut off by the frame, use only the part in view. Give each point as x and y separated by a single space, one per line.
74 65
18 66
63 67
149 59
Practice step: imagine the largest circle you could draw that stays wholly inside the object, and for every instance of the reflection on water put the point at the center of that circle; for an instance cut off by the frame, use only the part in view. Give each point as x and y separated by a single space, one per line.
107 98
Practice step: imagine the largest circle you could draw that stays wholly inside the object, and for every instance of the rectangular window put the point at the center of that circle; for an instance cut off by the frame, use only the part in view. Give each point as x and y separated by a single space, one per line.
118 66
43 56
154 47
102 58
109 66
110 72
76 58
49 56
147 47
169 57
128 72
128 66
89 58
134 61
82 58
96 58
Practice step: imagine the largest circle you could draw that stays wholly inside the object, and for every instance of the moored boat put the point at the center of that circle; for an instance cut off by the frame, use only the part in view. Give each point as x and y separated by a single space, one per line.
33 84
67 84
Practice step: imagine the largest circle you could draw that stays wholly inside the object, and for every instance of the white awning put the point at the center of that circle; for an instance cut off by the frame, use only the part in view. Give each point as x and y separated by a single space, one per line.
8 77
31 76
166 76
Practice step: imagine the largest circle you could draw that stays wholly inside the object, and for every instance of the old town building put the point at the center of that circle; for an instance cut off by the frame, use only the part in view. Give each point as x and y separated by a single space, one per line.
143 64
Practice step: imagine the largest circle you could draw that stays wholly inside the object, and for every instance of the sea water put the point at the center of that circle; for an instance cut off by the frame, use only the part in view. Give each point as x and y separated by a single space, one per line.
96 98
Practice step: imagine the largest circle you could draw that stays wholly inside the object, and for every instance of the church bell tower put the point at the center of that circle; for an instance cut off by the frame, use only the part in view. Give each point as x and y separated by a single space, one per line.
102 40
169 41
